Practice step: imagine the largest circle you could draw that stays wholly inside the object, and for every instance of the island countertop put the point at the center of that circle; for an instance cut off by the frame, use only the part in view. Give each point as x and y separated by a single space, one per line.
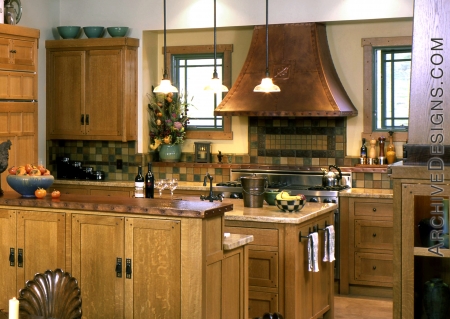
160 207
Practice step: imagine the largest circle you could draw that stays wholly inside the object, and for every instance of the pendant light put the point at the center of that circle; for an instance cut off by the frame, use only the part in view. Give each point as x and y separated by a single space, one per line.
267 85
215 83
165 86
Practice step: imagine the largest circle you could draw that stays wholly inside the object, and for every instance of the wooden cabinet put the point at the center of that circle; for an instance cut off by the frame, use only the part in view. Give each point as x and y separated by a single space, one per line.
18 94
279 280
92 89
31 242
366 244
418 194
119 262
93 190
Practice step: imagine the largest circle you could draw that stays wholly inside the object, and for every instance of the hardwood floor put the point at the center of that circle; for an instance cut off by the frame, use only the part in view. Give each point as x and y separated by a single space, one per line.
352 307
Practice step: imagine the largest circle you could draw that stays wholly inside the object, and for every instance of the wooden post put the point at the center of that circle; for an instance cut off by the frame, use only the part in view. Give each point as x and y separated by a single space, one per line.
430 83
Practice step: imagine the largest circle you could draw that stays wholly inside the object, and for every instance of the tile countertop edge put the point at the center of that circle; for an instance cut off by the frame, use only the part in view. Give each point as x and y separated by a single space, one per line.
267 214
367 193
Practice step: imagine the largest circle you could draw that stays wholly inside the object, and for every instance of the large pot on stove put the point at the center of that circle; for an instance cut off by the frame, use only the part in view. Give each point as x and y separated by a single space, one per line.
332 178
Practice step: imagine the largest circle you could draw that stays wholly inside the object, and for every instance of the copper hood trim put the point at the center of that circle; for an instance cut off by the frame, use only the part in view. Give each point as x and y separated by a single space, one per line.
301 65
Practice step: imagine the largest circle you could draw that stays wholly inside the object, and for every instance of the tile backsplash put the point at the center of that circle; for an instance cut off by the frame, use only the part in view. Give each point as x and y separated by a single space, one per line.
272 141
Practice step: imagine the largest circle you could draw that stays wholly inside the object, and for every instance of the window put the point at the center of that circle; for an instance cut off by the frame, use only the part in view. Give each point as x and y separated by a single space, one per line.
191 67
387 63
190 73
392 83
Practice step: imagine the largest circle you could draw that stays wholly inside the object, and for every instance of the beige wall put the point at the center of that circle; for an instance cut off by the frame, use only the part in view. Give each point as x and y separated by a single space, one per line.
344 39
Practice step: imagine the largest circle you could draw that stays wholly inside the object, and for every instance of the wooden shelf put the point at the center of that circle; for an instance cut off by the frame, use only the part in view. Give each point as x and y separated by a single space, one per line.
423 251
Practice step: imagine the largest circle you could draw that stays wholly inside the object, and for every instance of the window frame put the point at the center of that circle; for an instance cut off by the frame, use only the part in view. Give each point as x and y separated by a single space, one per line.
226 49
369 44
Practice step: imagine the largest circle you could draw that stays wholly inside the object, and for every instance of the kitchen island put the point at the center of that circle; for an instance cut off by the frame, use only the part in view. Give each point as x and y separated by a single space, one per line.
133 258
279 279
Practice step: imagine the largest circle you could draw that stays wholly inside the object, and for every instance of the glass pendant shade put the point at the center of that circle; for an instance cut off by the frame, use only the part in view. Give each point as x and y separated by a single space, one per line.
216 86
165 87
266 86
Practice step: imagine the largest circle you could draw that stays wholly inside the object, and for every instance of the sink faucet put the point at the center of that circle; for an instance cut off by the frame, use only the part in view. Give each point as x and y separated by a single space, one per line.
211 197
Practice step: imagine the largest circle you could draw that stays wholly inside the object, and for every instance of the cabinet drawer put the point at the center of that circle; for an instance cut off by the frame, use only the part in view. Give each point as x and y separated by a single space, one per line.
262 268
261 237
261 302
374 234
376 268
18 85
71 190
374 208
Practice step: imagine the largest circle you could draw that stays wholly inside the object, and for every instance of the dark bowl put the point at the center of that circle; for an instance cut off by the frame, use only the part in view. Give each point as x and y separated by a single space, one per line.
270 196
94 32
117 31
26 185
68 32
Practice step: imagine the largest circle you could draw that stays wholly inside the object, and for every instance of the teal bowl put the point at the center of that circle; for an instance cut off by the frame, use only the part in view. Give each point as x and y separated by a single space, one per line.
117 31
68 32
26 185
94 32
270 196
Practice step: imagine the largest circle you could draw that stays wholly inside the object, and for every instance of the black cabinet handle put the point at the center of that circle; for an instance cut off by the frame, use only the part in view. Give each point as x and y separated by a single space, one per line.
82 119
119 267
20 257
12 257
374 267
128 268
87 119
374 209
374 235
13 51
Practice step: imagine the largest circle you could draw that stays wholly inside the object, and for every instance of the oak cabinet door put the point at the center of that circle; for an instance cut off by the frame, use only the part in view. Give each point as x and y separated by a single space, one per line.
98 264
153 258
7 245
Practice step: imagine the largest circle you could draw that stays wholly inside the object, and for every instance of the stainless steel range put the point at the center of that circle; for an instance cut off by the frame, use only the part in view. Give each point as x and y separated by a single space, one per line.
306 182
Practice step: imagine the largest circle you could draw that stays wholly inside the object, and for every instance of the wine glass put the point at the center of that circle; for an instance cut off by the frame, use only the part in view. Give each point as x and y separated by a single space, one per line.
173 184
161 184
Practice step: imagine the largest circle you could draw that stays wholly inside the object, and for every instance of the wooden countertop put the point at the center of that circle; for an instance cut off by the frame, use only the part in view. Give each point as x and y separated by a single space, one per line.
161 207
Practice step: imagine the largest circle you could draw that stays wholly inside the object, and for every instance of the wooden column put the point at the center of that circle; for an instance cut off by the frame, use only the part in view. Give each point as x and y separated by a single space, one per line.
430 79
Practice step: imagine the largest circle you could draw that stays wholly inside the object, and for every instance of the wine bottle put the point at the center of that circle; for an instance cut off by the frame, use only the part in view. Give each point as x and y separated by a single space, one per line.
363 148
149 183
139 184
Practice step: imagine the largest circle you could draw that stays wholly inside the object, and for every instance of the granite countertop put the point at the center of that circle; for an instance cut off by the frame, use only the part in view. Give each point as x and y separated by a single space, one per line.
181 185
272 214
367 193
144 206
232 241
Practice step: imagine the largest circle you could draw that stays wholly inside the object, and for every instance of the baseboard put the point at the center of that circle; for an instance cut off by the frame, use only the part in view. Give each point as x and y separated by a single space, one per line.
369 291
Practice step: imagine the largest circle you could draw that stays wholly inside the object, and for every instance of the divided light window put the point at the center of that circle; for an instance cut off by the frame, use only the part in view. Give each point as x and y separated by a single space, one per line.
392 73
190 73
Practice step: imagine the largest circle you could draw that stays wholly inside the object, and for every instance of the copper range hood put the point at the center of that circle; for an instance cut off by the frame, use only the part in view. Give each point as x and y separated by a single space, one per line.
300 64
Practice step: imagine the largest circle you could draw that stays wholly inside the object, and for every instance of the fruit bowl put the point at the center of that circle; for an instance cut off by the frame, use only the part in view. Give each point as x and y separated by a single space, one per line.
270 196
290 205
26 185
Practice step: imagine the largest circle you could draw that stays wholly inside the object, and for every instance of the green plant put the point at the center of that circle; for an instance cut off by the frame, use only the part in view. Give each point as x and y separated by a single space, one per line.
167 118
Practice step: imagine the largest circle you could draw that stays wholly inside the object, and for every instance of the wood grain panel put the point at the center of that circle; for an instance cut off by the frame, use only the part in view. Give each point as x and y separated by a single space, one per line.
8 277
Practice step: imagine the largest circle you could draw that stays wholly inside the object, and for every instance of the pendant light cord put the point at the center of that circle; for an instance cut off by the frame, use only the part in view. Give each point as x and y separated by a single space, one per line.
267 38
165 75
215 75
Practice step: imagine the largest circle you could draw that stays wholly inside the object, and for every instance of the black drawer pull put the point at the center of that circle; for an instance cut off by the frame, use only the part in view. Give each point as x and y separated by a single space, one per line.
374 209
128 268
12 257
119 267
20 257
374 235
13 51
82 119
374 267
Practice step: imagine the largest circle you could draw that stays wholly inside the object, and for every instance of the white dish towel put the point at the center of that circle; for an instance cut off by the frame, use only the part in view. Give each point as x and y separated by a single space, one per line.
313 252
329 244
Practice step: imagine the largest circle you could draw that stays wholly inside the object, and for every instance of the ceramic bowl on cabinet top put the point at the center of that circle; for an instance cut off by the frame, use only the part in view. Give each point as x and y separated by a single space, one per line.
117 31
26 185
68 32
94 32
